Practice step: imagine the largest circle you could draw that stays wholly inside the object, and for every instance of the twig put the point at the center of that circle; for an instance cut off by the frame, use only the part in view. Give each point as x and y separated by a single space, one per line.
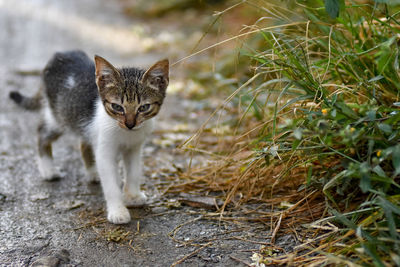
190 254
239 260
251 241
237 37
278 225
28 72
173 232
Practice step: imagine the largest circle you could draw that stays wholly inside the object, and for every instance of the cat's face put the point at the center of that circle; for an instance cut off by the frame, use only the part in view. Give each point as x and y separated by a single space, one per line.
131 96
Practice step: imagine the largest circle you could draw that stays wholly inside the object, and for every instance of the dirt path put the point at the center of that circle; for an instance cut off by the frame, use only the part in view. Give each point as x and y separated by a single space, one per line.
63 222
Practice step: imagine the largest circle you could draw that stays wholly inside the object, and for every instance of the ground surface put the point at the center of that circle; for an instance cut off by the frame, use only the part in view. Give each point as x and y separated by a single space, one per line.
45 224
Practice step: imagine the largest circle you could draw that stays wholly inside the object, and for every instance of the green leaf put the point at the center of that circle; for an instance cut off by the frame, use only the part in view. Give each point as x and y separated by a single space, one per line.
378 170
389 2
396 159
371 115
388 204
309 174
295 144
294 100
332 8
393 135
393 119
343 219
386 128
370 249
346 110
365 181
385 56
371 144
335 180
334 99
376 78
389 208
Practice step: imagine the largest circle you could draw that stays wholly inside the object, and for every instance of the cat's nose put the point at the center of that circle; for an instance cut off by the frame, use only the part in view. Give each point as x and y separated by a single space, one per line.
130 125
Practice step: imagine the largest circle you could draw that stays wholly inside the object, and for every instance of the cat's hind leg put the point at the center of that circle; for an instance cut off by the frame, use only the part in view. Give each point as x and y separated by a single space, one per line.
89 161
133 196
47 136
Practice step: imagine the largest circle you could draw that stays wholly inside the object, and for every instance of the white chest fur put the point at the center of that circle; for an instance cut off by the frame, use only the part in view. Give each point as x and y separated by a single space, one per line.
108 141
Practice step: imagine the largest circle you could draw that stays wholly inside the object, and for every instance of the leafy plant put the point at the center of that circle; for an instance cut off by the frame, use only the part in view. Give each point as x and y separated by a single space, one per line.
343 80
324 96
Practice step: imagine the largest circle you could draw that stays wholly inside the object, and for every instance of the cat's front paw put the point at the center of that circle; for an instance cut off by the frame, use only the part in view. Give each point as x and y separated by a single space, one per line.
53 176
118 215
50 174
135 200
92 177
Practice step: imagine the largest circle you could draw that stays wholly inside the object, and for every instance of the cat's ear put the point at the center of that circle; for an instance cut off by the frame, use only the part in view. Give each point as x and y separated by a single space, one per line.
105 72
157 76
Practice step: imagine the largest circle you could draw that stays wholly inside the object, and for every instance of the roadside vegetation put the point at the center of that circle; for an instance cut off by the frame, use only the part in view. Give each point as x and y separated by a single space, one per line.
308 124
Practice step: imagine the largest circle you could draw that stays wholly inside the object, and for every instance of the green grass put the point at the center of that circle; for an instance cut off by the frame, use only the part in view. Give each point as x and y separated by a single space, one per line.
342 78
330 87
320 80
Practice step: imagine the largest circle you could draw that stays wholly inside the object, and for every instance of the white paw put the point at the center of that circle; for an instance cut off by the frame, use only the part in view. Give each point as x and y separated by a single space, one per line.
134 200
52 176
118 215
48 172
92 176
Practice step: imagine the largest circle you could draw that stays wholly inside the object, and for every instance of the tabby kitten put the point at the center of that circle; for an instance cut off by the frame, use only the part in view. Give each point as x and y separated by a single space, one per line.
110 109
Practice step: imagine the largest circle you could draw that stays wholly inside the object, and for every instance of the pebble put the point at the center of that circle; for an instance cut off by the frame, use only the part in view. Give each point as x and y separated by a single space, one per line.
52 260
111 247
47 261
68 204
39 196
2 198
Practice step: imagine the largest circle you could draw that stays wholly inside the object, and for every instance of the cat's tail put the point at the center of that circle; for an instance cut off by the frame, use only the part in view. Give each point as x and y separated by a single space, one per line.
30 103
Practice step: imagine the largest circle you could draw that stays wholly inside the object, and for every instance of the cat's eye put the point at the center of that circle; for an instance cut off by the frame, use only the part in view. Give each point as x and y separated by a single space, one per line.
144 108
117 108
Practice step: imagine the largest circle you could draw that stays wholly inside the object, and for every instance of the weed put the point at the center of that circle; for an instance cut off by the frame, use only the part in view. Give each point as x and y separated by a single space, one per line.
323 104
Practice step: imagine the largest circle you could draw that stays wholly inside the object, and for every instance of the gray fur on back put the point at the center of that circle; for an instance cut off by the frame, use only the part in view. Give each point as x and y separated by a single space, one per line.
71 90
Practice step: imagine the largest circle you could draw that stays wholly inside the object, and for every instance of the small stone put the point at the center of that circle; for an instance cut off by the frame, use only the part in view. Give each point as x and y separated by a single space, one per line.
47 261
39 196
53 260
68 204
2 198
215 258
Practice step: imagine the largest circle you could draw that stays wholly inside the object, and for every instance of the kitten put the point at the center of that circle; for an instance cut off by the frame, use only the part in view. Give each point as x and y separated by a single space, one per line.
110 109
